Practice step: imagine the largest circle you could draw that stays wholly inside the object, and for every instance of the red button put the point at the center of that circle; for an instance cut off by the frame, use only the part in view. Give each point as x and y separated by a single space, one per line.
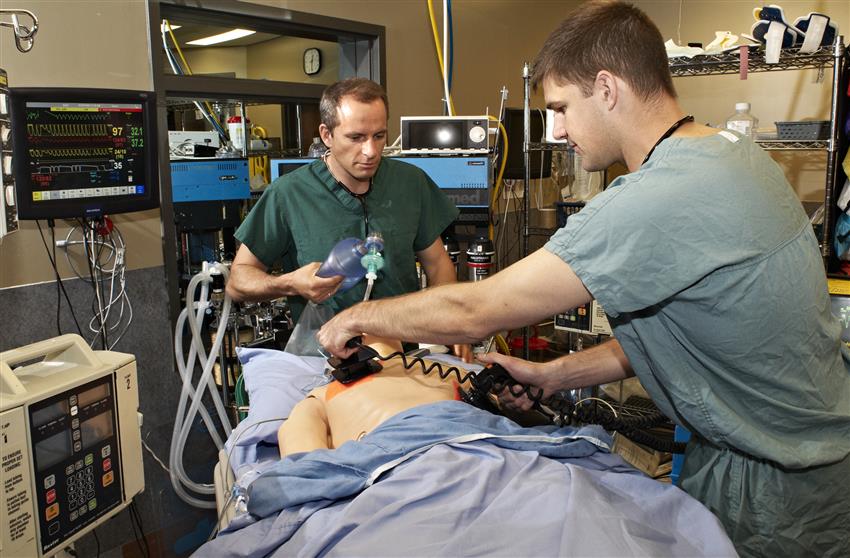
107 464
51 495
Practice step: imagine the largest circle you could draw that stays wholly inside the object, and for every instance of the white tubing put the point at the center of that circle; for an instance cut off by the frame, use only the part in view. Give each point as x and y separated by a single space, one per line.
370 283
193 313
207 361
187 381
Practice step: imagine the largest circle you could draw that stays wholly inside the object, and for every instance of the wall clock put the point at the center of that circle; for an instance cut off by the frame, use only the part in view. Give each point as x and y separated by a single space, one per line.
312 61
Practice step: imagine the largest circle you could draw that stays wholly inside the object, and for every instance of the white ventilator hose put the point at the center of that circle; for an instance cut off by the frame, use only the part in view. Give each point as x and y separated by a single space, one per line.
194 314
176 472
197 341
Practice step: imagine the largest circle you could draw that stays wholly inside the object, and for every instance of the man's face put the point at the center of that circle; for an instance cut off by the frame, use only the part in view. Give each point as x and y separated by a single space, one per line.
358 140
578 119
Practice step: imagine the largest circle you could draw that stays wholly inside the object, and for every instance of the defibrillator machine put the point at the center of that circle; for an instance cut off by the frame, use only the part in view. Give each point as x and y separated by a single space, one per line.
70 444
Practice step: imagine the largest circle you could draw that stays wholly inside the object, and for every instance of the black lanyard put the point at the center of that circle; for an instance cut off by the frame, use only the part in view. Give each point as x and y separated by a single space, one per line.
667 134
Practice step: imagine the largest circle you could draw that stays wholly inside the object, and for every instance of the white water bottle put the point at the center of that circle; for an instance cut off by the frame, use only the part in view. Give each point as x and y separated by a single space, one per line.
742 121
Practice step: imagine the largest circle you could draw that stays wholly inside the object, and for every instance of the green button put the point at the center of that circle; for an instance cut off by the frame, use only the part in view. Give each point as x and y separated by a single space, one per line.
92 504
89 459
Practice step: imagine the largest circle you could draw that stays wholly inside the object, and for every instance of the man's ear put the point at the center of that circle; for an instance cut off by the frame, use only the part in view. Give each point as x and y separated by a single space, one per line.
326 134
607 88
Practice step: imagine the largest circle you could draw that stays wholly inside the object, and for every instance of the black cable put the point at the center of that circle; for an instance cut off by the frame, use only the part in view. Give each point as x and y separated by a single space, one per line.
50 224
136 521
96 228
142 529
96 540
88 227
58 279
554 407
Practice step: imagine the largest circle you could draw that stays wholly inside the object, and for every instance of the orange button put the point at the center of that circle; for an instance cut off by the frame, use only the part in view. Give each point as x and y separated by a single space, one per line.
108 478
51 511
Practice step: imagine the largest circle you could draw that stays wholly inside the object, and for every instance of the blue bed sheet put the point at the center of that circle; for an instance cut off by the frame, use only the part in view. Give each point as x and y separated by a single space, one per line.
449 480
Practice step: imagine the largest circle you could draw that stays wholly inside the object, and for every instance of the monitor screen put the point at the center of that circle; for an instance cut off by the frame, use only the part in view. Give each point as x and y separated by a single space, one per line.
83 152
445 134
515 130
279 167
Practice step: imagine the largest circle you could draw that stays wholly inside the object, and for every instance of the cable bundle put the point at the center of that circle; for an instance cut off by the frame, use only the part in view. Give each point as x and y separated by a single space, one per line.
557 408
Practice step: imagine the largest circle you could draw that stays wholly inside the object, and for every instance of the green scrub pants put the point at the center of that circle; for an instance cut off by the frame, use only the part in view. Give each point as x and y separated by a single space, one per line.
769 511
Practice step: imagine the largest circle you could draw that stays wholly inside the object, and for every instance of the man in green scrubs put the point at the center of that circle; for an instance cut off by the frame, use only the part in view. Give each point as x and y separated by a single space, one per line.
711 277
351 192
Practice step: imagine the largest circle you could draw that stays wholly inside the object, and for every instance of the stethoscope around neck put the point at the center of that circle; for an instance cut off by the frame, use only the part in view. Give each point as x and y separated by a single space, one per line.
359 197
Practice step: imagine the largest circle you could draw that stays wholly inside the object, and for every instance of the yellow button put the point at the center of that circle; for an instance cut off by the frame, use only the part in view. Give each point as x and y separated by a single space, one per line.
108 478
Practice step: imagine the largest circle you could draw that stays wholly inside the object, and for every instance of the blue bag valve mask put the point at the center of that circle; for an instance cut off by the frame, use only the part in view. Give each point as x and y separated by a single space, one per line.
353 258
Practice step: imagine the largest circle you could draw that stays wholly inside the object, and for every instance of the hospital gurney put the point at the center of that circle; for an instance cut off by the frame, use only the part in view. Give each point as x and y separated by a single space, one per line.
463 496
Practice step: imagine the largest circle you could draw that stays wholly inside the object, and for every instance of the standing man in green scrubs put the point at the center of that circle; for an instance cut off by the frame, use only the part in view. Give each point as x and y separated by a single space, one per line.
710 274
351 192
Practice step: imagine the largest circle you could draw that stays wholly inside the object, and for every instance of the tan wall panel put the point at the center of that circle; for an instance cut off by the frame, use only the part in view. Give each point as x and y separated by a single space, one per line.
492 38
214 60
80 44
283 60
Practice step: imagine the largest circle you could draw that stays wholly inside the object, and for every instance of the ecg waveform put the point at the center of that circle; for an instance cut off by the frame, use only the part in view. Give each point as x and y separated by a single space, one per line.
67 130
73 152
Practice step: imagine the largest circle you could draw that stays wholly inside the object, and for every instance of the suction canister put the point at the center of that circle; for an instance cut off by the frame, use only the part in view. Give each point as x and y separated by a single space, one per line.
479 258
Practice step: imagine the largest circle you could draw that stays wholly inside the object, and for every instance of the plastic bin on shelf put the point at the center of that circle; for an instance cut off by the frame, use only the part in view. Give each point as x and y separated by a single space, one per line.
805 130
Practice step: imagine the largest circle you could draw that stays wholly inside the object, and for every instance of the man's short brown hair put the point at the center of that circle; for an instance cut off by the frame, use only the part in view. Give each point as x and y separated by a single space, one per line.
606 35
362 89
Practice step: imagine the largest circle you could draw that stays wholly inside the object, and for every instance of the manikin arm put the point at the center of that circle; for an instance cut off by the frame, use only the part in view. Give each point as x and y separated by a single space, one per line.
307 427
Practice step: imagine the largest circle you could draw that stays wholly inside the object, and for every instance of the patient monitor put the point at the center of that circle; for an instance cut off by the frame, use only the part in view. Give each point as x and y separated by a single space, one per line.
70 443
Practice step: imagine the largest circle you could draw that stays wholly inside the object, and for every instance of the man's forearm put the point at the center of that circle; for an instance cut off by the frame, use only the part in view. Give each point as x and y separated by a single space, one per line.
247 283
443 273
418 317
601 364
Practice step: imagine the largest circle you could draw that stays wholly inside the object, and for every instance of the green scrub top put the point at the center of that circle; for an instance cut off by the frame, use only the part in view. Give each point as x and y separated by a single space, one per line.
710 274
303 214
